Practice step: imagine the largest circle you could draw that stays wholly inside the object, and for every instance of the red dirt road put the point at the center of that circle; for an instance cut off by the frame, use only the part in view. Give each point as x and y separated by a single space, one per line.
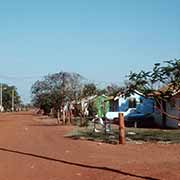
35 149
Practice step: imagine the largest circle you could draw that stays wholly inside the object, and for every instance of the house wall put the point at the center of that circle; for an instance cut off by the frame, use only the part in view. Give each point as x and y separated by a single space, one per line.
158 118
123 104
114 106
172 110
143 105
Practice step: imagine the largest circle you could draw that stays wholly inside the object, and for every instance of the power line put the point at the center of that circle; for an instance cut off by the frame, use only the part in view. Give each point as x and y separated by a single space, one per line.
19 77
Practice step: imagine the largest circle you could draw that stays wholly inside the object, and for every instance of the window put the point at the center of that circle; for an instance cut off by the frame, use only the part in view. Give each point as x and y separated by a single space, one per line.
132 102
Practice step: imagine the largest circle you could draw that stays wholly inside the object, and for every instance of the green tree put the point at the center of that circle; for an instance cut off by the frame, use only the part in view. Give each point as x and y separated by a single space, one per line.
9 94
113 89
89 90
152 81
56 89
161 83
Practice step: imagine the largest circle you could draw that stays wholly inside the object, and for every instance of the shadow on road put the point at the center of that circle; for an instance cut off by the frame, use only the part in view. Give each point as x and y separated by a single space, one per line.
44 125
78 164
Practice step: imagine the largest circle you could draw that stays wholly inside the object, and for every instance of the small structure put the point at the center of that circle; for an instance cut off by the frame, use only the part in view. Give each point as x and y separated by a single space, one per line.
167 111
102 106
170 118
1 108
85 104
134 106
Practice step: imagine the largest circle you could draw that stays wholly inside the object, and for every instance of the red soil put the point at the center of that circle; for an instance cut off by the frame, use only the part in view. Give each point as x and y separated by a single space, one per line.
32 148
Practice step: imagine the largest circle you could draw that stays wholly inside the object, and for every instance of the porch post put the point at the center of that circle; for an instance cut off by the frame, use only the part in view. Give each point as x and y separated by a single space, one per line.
122 138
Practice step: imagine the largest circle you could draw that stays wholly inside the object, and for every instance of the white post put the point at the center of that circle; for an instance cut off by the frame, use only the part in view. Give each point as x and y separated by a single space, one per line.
13 100
1 107
1 94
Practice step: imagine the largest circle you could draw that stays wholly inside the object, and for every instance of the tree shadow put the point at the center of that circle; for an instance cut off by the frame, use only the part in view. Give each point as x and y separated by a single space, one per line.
78 164
44 125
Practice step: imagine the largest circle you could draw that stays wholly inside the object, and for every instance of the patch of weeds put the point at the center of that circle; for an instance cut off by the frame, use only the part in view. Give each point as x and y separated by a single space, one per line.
132 135
154 135
88 134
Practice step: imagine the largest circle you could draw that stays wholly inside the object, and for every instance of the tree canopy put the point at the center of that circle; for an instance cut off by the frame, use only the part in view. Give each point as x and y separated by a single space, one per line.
161 83
9 94
89 90
163 80
56 89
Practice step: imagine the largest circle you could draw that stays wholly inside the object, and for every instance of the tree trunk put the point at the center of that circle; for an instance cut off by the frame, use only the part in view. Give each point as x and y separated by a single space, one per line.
58 117
164 117
64 117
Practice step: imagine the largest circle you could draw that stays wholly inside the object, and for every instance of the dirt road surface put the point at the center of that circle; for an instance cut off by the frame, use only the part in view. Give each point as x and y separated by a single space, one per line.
32 148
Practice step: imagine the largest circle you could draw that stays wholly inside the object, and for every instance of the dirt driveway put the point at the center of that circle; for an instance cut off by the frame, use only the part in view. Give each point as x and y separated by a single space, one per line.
32 148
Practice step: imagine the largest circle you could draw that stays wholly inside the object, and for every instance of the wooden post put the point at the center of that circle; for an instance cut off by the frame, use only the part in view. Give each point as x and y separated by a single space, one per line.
71 117
122 138
135 124
64 117
81 119
105 128
58 116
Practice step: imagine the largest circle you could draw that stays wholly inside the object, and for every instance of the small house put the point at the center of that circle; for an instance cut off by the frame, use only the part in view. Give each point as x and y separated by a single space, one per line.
167 114
137 109
136 100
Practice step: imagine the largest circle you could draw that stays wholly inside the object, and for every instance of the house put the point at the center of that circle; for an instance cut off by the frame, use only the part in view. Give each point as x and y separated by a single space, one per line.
167 114
134 107
136 100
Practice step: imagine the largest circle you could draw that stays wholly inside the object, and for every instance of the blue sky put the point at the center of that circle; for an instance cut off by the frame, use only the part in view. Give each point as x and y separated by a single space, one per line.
101 39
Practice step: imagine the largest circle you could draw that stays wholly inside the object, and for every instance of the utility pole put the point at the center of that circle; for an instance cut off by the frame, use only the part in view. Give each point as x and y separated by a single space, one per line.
12 100
1 94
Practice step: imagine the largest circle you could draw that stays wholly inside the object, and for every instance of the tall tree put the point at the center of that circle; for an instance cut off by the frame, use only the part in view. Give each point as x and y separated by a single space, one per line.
113 89
89 90
56 89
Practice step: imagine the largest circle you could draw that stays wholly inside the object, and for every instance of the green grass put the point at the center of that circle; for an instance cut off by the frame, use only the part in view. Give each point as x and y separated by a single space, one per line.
132 135
171 136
